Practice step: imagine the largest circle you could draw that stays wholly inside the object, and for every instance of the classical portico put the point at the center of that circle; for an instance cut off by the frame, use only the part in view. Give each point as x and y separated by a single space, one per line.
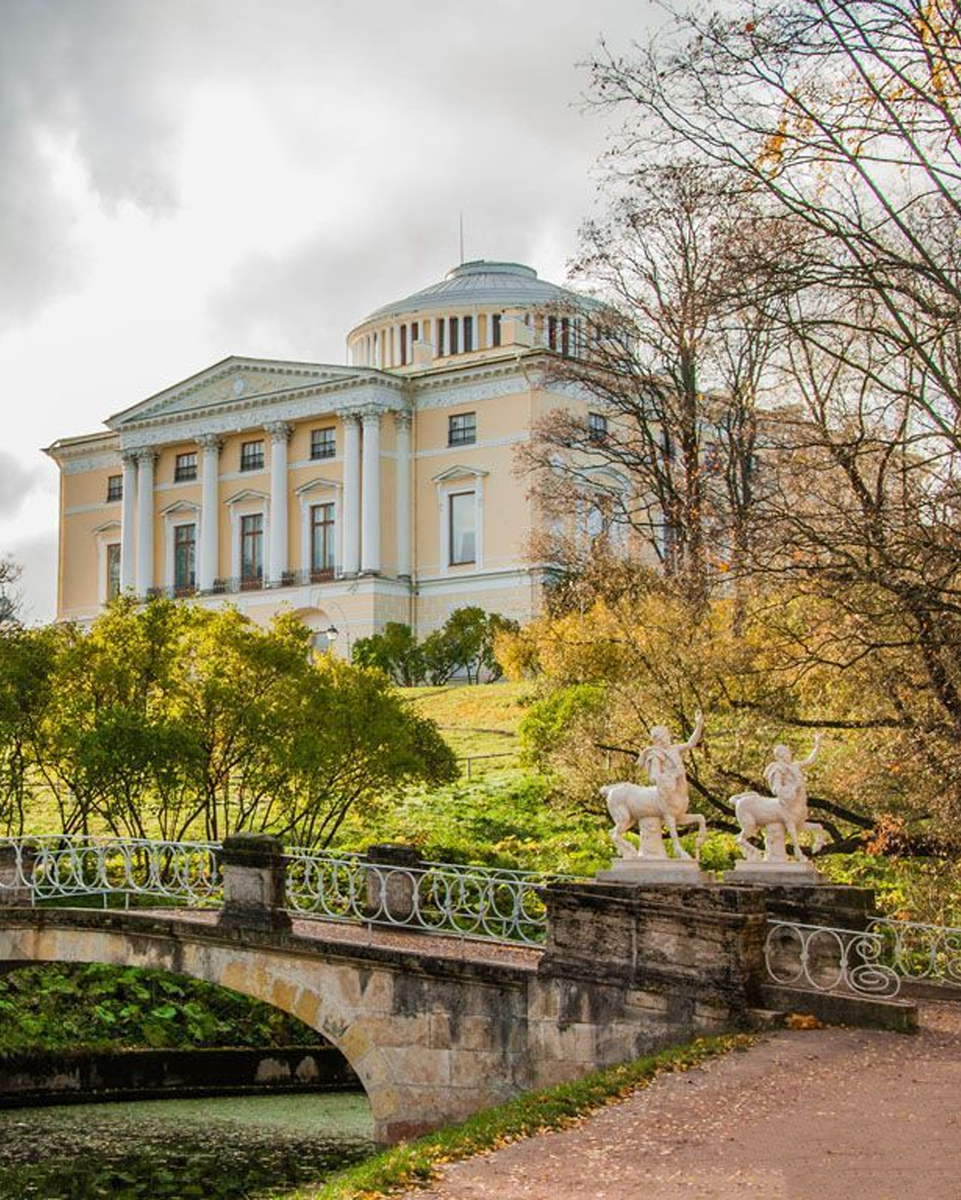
356 494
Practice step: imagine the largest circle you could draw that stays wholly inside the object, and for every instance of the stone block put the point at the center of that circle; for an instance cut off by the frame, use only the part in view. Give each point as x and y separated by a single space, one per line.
16 875
420 1065
255 883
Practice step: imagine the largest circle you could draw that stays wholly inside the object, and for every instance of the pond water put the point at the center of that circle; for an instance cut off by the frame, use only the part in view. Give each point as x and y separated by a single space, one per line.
223 1148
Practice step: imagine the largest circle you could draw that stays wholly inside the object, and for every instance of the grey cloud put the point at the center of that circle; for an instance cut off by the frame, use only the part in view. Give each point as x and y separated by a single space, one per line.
421 109
37 586
88 73
16 483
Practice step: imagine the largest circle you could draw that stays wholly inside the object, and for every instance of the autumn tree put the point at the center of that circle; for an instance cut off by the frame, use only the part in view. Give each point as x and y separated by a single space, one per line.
841 118
674 367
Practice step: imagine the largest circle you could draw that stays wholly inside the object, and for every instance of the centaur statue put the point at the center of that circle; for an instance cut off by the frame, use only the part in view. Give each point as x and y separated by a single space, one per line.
665 802
785 813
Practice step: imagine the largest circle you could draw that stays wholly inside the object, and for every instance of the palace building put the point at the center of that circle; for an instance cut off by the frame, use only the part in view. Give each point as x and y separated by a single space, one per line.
353 495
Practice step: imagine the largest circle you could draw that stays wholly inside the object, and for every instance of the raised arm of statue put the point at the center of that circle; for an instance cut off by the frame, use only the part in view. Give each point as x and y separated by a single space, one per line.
806 762
695 737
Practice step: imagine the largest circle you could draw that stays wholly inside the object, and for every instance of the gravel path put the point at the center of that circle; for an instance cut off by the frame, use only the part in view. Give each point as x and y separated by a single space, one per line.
837 1114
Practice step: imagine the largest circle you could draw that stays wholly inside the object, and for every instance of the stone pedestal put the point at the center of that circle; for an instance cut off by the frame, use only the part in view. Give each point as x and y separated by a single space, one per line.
651 872
700 944
16 874
763 871
255 883
393 877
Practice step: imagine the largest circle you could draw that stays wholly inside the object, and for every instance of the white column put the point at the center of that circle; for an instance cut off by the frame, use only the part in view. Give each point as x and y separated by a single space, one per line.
128 524
145 466
210 512
370 509
279 437
402 422
351 493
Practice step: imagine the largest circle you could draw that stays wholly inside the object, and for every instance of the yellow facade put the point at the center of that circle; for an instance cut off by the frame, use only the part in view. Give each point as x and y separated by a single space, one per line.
353 495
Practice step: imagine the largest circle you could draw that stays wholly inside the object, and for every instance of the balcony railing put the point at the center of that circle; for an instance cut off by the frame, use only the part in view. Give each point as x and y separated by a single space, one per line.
234 584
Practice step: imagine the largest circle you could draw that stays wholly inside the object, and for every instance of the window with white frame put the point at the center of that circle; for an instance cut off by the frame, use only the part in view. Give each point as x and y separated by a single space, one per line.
252 456
596 426
462 429
185 559
323 442
322 551
113 570
251 550
461 528
185 467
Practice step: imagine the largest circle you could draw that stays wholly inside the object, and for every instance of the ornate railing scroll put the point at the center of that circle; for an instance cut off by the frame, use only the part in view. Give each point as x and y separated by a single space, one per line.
467 901
471 902
931 953
825 959
63 868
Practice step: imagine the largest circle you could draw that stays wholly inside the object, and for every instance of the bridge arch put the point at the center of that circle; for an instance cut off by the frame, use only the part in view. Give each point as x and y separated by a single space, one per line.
426 1050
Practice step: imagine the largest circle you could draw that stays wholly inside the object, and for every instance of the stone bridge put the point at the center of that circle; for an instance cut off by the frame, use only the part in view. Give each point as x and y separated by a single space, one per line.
438 1027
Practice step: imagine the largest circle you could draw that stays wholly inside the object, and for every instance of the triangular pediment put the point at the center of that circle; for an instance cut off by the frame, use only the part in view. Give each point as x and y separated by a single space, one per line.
247 494
230 382
316 485
180 507
458 472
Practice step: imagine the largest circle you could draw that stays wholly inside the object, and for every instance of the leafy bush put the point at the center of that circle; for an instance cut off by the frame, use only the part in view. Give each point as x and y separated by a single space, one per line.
64 1007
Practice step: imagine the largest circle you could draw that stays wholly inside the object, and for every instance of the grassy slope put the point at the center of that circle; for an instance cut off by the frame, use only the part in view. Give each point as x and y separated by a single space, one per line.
474 720
501 815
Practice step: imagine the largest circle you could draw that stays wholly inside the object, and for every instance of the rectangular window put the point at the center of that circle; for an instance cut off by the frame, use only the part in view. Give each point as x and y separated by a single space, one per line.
185 467
185 559
414 335
114 487
452 332
565 336
251 550
462 429
496 329
113 570
440 337
462 528
468 323
552 332
321 541
403 345
323 442
596 427
252 456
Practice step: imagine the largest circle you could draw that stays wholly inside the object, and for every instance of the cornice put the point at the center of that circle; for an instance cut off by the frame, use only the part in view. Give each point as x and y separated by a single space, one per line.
294 404
223 370
487 381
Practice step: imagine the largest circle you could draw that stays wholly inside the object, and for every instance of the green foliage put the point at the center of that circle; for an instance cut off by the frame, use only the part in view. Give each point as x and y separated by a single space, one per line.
172 719
395 652
62 1007
465 644
415 1163
552 719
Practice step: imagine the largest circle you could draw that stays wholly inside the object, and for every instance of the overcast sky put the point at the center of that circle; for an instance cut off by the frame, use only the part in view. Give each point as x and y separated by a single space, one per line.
186 179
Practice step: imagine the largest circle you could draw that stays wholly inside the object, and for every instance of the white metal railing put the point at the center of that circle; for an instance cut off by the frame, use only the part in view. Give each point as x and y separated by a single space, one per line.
825 959
67 868
930 953
468 901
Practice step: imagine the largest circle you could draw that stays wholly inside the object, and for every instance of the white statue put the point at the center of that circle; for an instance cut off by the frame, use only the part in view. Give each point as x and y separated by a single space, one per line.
783 813
664 803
